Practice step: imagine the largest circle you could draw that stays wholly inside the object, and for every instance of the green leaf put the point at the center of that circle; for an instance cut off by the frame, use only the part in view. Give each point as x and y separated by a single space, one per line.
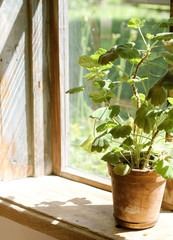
101 113
127 51
133 80
76 89
170 131
142 99
105 126
170 113
166 81
109 56
135 60
135 23
149 36
87 144
127 143
102 96
142 120
105 84
101 142
156 94
98 53
164 167
166 125
88 62
168 58
98 96
114 111
88 75
170 100
153 113
111 158
164 36
165 24
90 79
106 113
110 95
122 169
121 131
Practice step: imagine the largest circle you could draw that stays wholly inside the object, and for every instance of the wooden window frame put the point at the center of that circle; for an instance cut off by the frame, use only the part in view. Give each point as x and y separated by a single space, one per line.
59 76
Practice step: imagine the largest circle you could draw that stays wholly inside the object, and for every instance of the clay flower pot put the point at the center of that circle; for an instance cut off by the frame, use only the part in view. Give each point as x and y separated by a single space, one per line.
137 197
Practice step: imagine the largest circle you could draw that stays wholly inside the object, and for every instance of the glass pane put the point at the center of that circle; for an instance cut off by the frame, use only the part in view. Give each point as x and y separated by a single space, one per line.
94 24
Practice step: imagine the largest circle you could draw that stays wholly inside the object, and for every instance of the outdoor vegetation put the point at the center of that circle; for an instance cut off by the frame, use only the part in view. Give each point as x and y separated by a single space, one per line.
103 24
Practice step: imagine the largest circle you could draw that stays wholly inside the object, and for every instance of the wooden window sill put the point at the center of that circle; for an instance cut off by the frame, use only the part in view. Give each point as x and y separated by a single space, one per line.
69 210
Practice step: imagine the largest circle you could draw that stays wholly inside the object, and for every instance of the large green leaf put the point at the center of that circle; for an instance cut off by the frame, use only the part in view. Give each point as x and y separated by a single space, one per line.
166 125
164 167
101 143
156 94
101 113
87 61
122 169
106 113
76 89
110 56
164 36
135 23
167 80
142 120
111 157
121 131
105 126
127 51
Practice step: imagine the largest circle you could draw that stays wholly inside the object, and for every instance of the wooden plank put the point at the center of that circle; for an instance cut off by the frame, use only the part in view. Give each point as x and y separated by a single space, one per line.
37 59
25 138
40 88
13 78
69 210
55 88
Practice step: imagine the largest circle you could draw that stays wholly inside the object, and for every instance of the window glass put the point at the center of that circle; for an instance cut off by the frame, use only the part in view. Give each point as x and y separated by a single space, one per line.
94 24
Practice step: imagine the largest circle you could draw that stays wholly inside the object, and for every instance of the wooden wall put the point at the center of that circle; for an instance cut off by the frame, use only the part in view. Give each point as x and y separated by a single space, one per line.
25 128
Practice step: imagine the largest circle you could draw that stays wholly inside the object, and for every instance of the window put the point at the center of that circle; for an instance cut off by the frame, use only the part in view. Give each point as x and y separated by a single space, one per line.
90 25
27 96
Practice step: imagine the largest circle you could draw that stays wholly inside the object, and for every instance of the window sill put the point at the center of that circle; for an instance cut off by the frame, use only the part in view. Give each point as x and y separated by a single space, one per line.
65 209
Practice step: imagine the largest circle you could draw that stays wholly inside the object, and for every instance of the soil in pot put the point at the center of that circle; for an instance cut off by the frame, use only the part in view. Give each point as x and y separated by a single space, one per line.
137 197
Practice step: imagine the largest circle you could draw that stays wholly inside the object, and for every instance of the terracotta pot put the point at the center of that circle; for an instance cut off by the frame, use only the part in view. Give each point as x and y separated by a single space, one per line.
167 202
137 198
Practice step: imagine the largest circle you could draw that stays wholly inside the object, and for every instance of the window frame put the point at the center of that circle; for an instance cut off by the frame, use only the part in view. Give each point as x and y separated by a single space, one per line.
59 83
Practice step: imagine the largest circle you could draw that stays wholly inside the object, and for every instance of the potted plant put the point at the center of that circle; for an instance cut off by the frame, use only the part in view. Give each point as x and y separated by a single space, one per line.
130 147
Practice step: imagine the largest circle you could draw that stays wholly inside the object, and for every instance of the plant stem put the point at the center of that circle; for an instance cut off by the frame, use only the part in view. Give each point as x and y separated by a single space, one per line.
142 35
135 92
150 148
